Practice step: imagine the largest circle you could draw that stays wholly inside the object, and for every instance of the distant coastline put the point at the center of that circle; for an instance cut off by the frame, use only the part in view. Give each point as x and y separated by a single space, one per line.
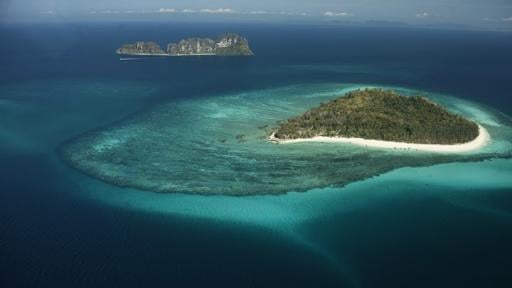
480 141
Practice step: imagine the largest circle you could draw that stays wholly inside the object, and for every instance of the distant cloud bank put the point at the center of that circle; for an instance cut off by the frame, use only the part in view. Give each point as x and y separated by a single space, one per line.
211 11
422 15
337 14
258 12
218 11
451 14
47 12
167 10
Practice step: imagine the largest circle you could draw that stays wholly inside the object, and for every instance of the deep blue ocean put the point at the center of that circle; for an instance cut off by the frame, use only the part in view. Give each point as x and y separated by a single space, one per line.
58 81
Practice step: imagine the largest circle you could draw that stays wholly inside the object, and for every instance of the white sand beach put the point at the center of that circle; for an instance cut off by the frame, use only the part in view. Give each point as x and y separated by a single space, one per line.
483 139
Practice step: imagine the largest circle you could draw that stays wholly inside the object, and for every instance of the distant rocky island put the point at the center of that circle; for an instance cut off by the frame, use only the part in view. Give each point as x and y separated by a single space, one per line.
229 44
380 115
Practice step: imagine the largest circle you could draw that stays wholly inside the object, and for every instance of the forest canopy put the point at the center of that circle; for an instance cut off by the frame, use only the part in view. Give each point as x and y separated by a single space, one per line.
381 115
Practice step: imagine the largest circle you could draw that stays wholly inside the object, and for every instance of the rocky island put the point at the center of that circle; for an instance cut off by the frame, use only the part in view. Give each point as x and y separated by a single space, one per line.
383 119
229 44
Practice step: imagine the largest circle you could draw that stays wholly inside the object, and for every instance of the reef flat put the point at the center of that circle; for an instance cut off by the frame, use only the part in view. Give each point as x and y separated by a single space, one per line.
217 146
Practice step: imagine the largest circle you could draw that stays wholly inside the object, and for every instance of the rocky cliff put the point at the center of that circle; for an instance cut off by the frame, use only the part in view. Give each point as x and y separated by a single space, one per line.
226 45
192 46
141 48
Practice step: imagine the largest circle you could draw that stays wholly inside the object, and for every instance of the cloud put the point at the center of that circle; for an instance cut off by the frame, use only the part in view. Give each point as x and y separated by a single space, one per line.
211 11
203 10
258 12
285 13
508 19
218 11
422 15
109 12
292 13
115 12
166 10
337 14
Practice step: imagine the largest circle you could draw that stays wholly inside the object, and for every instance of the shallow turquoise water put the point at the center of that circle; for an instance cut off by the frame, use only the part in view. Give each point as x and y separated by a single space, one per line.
298 217
217 145
459 185
249 110
440 225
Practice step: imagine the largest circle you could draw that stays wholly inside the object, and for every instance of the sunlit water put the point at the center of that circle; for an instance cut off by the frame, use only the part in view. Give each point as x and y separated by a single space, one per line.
404 226
217 145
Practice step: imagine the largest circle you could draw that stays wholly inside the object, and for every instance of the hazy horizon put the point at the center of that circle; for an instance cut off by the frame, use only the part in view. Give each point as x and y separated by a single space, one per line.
472 14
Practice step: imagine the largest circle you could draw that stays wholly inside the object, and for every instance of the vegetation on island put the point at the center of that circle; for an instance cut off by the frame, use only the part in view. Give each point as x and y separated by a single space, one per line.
141 48
228 44
381 115
232 44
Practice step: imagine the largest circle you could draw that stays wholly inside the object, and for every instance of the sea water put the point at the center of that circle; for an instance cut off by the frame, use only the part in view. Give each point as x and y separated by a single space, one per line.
447 224
218 146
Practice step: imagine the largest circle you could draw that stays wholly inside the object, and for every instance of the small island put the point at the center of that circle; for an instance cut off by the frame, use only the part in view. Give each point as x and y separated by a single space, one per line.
384 119
217 145
228 44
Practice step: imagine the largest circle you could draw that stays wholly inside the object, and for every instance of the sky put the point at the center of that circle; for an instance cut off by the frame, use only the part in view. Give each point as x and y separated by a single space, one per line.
479 14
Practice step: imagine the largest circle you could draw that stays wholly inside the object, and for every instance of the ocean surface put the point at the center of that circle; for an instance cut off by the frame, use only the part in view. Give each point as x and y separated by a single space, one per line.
444 225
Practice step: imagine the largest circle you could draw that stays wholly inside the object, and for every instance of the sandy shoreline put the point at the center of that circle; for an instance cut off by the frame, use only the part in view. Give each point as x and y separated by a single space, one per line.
479 142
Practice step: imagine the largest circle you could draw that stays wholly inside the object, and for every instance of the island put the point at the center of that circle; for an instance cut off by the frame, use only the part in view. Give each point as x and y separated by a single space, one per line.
229 44
383 119
218 145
